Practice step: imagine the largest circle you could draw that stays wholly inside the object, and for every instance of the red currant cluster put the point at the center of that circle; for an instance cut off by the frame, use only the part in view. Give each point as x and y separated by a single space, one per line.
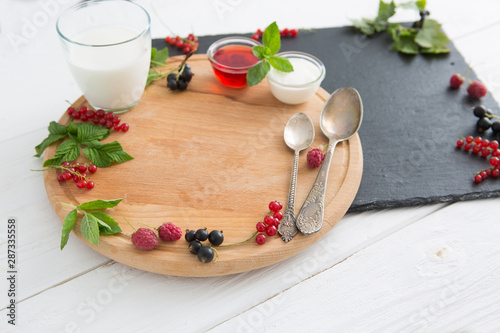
99 117
283 33
486 148
188 44
76 171
271 222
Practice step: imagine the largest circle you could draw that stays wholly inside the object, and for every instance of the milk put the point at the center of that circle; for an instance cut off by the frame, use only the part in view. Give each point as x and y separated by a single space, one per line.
110 76
298 86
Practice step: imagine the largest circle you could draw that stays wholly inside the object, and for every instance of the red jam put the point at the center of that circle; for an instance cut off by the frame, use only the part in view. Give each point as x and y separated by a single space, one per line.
232 64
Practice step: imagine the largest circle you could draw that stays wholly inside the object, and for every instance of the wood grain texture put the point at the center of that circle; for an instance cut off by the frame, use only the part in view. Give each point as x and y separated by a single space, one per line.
210 157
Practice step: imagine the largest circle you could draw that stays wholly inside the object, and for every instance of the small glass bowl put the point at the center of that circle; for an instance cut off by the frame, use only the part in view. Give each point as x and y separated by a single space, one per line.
231 58
300 85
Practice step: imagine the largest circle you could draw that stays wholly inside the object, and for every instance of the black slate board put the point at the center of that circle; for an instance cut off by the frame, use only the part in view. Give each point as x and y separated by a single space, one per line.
412 119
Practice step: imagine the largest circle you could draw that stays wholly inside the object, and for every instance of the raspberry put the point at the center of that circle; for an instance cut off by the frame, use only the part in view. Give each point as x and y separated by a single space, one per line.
144 239
315 157
169 232
477 89
456 81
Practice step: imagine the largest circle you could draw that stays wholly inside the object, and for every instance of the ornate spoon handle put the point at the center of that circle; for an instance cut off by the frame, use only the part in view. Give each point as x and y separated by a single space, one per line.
310 217
287 227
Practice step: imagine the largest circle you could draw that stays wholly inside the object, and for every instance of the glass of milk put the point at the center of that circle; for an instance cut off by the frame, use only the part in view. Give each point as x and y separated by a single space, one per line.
300 85
107 44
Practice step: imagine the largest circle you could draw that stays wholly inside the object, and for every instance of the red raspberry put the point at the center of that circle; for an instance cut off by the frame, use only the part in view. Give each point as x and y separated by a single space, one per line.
315 157
456 81
169 232
144 239
477 89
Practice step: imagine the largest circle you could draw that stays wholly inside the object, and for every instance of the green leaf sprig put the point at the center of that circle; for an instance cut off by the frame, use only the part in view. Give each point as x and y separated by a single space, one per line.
93 224
272 44
158 58
86 136
425 36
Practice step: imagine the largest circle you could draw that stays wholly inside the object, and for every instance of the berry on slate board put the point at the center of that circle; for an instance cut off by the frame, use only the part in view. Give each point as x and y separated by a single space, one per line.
456 81
476 89
315 157
144 239
169 232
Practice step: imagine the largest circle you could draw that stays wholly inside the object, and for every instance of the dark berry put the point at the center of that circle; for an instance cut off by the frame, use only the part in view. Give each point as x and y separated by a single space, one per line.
216 237
194 247
201 234
495 127
205 254
190 235
483 124
182 85
172 84
480 111
172 76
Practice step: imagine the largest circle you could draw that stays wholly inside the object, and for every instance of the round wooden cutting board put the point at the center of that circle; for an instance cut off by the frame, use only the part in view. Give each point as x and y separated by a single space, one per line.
212 157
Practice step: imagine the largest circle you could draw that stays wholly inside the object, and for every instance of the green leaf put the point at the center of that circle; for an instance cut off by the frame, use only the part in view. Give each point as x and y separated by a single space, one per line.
107 225
67 151
158 58
56 132
69 223
364 25
103 155
417 5
435 50
87 132
385 11
271 38
261 51
431 37
421 4
280 63
90 228
152 75
404 39
99 204
257 73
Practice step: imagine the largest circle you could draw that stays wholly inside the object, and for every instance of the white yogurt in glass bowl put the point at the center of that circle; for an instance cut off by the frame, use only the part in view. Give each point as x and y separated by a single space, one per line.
300 85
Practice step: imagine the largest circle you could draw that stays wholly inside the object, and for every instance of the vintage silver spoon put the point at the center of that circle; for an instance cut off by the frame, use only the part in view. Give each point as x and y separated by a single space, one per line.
299 135
339 120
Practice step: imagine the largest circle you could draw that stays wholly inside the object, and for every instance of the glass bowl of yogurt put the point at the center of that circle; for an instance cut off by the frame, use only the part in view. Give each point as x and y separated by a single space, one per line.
300 85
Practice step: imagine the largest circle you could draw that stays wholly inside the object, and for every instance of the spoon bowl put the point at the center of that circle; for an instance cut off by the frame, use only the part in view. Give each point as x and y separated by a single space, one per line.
298 135
340 119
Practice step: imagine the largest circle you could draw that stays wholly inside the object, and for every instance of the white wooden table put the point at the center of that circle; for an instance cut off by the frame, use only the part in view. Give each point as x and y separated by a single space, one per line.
427 269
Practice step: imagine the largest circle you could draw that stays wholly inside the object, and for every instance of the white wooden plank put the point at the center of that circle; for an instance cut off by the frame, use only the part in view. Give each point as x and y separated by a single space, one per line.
440 274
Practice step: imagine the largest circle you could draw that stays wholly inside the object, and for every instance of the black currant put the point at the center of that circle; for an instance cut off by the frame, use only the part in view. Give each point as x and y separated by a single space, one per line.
480 111
172 84
194 247
186 74
216 237
190 235
172 76
496 127
182 85
205 254
483 124
202 234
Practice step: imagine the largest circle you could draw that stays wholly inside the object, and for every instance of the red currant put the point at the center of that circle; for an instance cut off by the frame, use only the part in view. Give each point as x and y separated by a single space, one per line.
494 144
102 121
84 117
60 177
116 120
168 39
92 168
275 206
495 153
485 143
110 116
90 185
468 146
260 239
485 152
476 149
124 127
109 124
460 143
70 111
82 168
483 174
81 183
117 127
269 220
469 139
95 121
65 164
72 169
294 32
100 113
179 44
83 109
186 49
494 161
271 230
278 216
495 173
478 140
255 37
261 227
67 175
172 41
478 178
76 115
90 114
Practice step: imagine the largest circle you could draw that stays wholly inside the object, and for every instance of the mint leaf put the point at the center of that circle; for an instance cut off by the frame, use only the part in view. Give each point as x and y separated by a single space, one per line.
280 63
257 73
366 26
90 228
158 58
380 23
271 38
152 75
261 51
107 225
99 204
404 42
431 37
385 11
89 132
67 151
56 132
69 223
103 155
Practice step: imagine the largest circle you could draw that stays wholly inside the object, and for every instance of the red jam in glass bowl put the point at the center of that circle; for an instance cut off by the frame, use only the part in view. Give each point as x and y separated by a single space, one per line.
231 58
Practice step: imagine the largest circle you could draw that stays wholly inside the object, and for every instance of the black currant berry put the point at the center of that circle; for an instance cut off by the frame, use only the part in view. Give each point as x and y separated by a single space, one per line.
480 111
496 127
216 237
172 84
483 124
182 85
190 235
186 74
205 254
194 247
172 76
202 234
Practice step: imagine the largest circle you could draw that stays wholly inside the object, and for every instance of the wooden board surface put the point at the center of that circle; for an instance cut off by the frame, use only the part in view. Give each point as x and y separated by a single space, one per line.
213 157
